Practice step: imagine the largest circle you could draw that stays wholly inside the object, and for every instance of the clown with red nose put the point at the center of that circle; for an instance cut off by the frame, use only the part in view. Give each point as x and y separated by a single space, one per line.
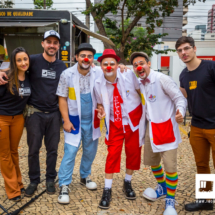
78 105
165 108
118 95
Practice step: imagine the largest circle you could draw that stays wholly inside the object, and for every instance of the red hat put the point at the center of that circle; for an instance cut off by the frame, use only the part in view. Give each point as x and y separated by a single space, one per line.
109 53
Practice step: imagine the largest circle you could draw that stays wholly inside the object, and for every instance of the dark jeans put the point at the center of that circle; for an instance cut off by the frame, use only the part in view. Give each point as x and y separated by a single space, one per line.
39 125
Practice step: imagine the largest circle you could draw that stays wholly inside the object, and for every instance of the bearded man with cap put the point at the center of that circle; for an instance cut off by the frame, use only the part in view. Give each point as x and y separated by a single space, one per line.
118 94
165 108
78 105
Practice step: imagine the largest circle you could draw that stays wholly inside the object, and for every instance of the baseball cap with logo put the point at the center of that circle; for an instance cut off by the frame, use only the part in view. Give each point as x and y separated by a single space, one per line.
51 33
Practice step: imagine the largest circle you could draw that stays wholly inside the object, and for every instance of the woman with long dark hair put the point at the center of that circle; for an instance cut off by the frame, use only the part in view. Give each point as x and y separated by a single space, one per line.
13 99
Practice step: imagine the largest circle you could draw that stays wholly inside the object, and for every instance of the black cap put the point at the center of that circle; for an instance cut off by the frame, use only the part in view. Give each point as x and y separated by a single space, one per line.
85 47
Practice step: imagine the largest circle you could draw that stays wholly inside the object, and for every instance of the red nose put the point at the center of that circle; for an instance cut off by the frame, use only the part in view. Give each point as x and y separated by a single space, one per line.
86 59
139 68
109 68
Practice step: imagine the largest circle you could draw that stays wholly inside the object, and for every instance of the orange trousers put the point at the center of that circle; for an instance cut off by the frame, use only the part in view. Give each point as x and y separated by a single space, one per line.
203 142
11 128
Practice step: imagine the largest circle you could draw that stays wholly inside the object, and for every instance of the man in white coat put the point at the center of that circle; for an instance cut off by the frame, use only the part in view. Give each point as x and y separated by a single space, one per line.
165 108
119 96
77 105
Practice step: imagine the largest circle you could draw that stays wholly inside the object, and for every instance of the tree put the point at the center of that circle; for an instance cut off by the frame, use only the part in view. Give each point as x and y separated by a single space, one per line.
130 12
6 4
43 4
188 2
138 39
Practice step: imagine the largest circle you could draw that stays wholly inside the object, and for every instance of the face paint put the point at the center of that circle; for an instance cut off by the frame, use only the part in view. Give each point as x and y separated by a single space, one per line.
85 66
108 74
86 59
141 72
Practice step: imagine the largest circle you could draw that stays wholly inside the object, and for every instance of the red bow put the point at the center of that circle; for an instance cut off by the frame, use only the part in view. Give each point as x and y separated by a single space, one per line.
145 80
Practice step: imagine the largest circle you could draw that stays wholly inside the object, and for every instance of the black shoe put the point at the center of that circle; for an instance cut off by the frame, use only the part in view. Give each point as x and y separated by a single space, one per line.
22 190
106 198
16 199
128 191
198 206
30 190
50 188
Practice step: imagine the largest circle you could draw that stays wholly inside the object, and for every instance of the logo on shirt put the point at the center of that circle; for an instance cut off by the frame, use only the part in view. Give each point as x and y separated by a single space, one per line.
192 85
48 74
127 93
24 91
152 98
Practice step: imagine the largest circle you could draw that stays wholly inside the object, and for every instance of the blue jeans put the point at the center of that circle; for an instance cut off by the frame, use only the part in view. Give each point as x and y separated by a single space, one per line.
89 146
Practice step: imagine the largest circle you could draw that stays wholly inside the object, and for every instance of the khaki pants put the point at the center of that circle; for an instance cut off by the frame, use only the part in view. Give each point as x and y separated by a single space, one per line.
202 140
153 159
11 128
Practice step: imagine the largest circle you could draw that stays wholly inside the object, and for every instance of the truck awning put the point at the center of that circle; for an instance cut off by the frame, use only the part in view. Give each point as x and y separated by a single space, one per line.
26 24
95 35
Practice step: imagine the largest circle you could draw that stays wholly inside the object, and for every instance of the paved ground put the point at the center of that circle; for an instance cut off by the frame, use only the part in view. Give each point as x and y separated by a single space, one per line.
86 202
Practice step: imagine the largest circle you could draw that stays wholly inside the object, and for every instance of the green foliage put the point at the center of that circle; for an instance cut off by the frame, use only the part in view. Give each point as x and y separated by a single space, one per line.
6 4
39 4
138 39
188 2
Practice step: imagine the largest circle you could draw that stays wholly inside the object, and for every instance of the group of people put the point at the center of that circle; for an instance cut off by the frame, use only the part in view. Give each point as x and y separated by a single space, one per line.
140 107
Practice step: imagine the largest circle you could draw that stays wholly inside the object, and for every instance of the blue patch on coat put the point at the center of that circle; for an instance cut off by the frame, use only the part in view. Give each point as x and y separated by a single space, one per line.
76 123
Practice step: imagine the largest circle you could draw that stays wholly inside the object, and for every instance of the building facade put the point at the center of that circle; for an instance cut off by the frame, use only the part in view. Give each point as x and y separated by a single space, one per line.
211 20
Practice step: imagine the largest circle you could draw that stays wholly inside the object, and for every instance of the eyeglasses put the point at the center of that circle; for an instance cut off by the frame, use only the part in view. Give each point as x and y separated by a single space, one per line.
86 56
186 49
139 62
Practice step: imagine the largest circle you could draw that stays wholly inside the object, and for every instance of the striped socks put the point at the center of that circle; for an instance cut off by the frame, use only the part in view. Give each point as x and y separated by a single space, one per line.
171 184
158 173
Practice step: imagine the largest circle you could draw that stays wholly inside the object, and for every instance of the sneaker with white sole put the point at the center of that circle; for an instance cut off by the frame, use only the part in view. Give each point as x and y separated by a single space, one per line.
170 207
155 194
63 197
88 183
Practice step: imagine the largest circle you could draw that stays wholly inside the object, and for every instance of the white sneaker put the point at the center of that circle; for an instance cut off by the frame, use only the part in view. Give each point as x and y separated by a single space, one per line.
170 207
63 197
88 183
155 194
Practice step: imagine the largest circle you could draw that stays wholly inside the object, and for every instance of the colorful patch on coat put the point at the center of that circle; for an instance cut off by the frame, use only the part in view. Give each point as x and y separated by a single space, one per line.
127 93
143 99
152 98
76 123
72 95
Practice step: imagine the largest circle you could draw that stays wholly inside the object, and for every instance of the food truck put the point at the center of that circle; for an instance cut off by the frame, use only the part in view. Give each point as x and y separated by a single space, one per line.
21 27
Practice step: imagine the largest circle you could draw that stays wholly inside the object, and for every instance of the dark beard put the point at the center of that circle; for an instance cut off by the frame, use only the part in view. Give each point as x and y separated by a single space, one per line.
50 54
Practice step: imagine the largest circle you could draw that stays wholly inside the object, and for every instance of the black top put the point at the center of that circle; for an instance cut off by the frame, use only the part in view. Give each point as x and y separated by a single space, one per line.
44 77
11 105
200 87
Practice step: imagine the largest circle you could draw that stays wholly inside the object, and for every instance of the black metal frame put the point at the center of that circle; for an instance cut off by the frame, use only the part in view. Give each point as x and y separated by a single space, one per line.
25 205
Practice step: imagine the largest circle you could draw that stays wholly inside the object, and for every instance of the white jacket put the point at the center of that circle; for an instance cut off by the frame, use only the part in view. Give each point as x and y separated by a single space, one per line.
131 101
161 107
70 79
